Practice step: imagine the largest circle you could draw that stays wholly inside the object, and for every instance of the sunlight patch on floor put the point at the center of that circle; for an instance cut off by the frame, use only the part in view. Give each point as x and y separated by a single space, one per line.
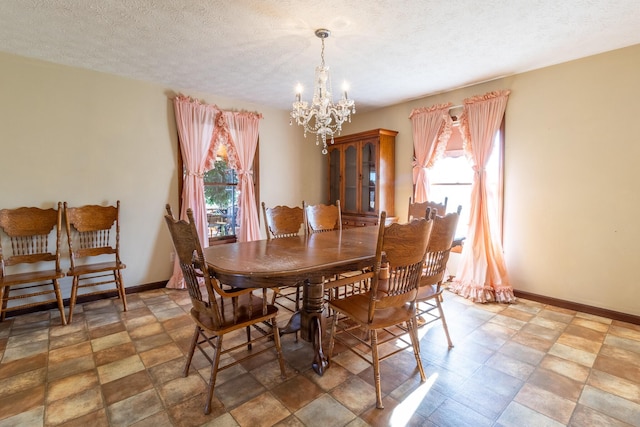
404 411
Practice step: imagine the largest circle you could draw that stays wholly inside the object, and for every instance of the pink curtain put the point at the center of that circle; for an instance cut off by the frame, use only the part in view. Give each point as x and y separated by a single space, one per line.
195 123
482 273
243 138
431 130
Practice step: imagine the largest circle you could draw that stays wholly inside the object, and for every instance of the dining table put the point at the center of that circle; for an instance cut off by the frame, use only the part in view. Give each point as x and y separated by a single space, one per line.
308 259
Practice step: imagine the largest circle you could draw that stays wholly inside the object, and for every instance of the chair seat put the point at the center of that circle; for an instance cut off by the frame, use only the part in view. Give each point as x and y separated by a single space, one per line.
95 268
431 278
357 308
32 276
426 292
249 311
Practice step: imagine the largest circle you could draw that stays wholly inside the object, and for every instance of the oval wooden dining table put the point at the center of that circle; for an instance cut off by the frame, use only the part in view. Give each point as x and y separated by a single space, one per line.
307 259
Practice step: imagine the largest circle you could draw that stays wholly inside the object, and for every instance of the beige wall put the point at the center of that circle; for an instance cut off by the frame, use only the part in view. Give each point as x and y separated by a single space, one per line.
90 138
571 179
571 176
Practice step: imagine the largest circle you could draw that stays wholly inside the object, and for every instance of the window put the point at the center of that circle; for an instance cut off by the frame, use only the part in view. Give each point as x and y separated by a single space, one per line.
452 176
221 198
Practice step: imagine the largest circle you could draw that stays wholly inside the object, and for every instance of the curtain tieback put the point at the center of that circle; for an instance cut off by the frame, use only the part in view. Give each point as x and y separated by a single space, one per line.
242 172
196 174
416 165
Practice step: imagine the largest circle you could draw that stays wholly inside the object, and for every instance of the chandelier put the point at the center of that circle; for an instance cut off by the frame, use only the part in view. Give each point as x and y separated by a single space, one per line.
323 117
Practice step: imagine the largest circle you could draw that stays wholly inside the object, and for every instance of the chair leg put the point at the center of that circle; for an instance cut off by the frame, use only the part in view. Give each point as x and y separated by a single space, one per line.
56 289
276 339
4 294
120 285
249 338
332 294
214 374
413 334
444 323
297 307
376 367
332 336
72 298
3 305
192 349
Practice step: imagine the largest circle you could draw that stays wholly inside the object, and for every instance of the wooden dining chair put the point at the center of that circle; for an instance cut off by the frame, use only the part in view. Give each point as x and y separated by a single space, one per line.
281 222
217 312
30 259
418 209
93 235
429 297
321 218
389 303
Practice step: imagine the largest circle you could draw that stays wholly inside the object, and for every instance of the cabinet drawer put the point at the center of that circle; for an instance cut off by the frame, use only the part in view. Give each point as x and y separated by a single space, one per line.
357 221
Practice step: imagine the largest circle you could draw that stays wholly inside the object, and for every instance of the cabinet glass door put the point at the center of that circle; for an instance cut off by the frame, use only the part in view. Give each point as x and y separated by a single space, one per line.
350 179
369 178
334 175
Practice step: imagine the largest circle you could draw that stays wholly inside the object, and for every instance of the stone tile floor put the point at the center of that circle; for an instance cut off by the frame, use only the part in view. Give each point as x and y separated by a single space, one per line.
524 364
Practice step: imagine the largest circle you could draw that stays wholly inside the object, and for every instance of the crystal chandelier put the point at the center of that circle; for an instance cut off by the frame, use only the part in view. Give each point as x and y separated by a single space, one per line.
323 117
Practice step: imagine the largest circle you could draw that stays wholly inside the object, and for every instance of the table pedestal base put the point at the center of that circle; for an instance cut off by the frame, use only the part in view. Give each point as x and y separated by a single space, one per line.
311 321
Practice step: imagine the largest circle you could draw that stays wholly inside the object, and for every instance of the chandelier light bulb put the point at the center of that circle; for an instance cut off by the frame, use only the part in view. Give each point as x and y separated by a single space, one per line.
299 90
345 88
322 117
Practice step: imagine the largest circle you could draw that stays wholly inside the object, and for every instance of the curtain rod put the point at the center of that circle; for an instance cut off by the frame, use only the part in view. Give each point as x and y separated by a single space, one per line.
456 106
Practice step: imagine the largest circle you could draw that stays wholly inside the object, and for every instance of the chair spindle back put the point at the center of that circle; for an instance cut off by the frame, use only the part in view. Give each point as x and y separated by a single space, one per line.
403 247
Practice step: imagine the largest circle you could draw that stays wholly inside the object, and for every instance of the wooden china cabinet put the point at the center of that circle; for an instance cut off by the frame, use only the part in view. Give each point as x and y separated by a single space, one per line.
362 175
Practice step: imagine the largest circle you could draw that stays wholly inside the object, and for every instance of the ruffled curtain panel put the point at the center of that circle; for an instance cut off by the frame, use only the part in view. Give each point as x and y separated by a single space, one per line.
243 131
195 122
482 273
431 130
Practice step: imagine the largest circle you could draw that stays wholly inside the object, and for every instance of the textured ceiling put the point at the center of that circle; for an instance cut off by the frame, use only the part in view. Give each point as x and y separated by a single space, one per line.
258 50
